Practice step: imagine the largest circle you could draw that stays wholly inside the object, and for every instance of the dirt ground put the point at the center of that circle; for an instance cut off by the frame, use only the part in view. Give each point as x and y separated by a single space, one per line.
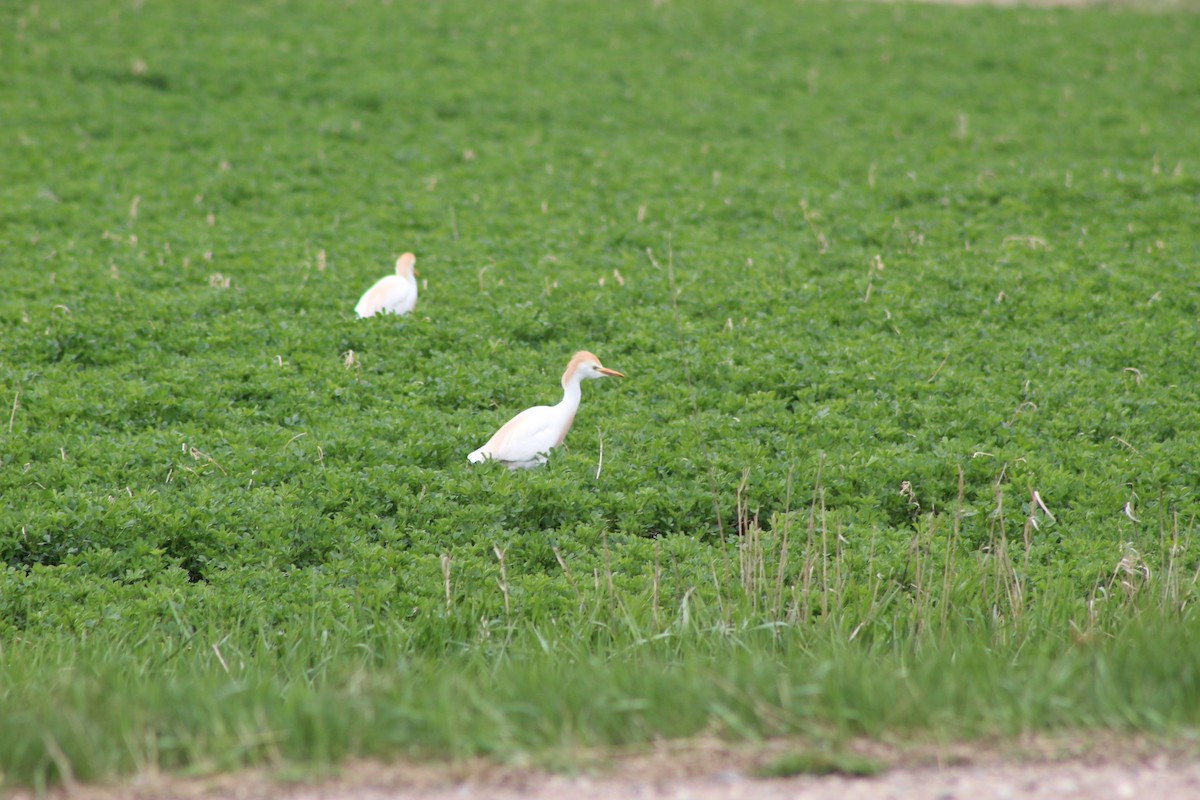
1096 768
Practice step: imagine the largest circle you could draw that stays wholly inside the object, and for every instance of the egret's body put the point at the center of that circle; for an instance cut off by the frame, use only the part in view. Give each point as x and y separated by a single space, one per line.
525 439
393 294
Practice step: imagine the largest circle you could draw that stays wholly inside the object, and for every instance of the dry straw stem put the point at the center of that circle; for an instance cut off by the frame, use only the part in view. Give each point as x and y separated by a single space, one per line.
1033 242
200 455
951 545
806 573
876 268
61 761
751 554
1172 579
567 573
217 651
446 582
933 377
811 218
16 404
824 556
1132 570
1007 590
503 579
777 605
600 459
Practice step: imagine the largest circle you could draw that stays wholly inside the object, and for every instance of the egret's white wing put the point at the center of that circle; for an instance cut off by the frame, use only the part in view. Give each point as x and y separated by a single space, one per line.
393 295
524 437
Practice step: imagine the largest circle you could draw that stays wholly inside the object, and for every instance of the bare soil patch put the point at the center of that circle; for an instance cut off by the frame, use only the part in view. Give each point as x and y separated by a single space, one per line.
1079 767
1149 5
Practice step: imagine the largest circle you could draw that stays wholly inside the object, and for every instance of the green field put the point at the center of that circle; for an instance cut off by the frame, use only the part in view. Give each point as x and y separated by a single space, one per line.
907 297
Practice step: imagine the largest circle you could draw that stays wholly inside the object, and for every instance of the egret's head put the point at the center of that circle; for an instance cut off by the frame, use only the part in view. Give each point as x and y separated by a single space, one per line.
405 265
585 365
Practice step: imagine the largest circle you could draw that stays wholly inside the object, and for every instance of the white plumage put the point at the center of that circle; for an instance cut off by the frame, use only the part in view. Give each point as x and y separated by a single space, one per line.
393 294
525 439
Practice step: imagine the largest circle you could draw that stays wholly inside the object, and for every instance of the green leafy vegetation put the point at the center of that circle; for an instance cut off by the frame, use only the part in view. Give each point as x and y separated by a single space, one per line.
820 762
907 297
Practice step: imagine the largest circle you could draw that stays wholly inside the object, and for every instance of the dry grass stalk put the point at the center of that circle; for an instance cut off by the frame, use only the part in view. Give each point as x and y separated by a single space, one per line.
16 404
446 583
503 580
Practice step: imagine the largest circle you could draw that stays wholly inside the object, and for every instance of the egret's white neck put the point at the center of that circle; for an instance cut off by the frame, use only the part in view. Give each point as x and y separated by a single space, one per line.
571 391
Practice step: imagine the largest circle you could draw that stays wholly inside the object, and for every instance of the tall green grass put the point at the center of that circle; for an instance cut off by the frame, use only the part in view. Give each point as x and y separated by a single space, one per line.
906 296
950 644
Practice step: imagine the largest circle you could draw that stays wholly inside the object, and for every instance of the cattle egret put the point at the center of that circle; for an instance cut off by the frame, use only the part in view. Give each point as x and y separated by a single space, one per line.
393 294
526 438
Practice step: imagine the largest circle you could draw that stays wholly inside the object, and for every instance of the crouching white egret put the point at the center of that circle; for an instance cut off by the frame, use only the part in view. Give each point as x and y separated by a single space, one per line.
392 294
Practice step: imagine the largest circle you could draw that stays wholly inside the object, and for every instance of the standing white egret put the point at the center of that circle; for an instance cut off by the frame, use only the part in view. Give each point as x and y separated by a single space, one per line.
526 438
392 294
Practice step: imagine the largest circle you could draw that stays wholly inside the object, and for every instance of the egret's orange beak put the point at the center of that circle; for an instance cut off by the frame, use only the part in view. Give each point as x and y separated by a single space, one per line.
611 373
